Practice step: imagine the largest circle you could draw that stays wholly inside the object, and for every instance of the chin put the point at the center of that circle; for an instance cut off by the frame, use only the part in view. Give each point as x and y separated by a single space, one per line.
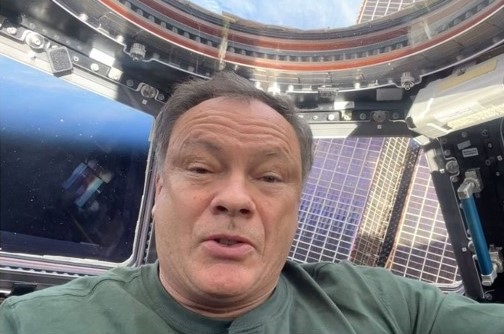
227 282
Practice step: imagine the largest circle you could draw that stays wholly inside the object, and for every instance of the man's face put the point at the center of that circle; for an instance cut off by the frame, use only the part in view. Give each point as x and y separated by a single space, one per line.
227 201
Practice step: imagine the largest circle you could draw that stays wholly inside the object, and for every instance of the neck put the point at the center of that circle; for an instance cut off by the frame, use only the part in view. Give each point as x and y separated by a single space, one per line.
223 312
217 307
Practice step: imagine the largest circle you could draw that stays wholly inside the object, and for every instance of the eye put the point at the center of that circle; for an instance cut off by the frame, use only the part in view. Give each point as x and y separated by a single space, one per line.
199 170
271 178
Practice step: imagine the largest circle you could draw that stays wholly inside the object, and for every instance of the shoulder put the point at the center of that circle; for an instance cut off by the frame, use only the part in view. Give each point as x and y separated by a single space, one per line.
390 301
346 280
370 293
84 305
366 297
75 290
342 272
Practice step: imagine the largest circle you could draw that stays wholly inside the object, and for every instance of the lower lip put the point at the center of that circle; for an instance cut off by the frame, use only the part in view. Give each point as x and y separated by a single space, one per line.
235 252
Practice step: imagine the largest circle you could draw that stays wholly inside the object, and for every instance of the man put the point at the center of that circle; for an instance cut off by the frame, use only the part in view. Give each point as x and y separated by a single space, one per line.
231 163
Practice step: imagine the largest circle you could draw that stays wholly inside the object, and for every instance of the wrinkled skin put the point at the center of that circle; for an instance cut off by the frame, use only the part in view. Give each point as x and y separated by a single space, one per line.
226 205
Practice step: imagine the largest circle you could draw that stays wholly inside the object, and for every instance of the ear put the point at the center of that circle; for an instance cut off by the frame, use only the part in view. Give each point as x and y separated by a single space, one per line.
159 184
159 187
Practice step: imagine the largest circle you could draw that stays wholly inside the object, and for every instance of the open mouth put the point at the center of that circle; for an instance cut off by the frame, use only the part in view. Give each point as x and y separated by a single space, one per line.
227 242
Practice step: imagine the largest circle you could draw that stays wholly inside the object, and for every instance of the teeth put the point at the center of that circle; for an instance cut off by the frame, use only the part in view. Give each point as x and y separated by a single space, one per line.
227 242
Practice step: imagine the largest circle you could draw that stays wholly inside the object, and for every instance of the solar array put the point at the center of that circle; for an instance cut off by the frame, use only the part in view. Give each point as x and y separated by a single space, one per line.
348 204
373 9
423 250
334 198
376 221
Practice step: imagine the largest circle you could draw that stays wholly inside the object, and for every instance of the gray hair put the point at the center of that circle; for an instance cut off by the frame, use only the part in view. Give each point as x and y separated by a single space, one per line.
227 84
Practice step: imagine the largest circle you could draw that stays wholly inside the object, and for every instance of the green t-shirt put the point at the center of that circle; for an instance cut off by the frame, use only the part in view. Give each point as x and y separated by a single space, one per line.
310 298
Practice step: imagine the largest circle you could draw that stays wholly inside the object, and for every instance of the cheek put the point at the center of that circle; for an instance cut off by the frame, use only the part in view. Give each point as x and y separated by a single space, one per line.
281 227
177 208
164 212
172 225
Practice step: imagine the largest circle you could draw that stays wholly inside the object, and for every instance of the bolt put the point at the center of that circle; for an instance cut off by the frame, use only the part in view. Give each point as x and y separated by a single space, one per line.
407 81
114 75
34 40
379 116
347 116
470 245
12 30
137 51
148 91
408 85
362 116
129 83
452 167
95 67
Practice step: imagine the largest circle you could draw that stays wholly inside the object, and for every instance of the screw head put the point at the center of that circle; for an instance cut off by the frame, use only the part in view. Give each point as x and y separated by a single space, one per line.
12 30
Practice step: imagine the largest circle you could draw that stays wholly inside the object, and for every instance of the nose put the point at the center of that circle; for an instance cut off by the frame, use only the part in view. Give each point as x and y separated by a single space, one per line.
233 198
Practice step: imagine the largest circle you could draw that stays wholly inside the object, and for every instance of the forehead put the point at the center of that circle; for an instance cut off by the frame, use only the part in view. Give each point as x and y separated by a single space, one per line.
247 108
240 119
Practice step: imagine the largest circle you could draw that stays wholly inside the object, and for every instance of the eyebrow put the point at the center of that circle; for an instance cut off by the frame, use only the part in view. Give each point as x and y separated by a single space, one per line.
269 152
273 152
206 144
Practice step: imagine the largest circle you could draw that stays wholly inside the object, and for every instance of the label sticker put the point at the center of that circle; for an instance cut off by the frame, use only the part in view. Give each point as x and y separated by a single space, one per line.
470 152
464 144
